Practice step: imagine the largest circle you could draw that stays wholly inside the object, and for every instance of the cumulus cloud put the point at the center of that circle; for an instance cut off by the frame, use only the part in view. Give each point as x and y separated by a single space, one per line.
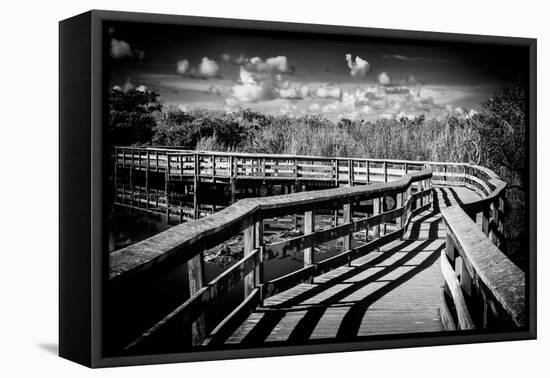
276 64
294 93
265 80
183 66
208 68
330 92
122 49
374 101
384 79
359 68
254 87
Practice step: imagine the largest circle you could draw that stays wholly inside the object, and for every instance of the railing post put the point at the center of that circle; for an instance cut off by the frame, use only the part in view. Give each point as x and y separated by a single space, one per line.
249 239
348 212
401 202
450 248
259 243
336 173
376 211
485 221
350 173
500 223
385 171
421 185
309 227
196 183
195 268
213 157
367 166
147 182
233 178
166 178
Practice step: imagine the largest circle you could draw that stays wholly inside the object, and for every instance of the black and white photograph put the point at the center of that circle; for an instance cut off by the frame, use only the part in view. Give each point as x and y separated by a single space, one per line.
274 188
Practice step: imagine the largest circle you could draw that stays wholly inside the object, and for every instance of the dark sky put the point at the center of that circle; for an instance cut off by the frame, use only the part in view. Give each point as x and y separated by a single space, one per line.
294 74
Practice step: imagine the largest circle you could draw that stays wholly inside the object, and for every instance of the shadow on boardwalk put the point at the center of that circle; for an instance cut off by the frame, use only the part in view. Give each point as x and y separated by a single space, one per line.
394 290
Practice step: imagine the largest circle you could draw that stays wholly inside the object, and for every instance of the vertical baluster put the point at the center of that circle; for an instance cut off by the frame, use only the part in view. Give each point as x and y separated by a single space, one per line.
196 183
376 211
348 216
400 203
248 246
233 177
213 157
147 180
166 179
309 227
195 268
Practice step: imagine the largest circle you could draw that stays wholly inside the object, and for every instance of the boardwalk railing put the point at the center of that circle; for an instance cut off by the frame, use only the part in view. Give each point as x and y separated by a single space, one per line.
209 165
186 243
483 288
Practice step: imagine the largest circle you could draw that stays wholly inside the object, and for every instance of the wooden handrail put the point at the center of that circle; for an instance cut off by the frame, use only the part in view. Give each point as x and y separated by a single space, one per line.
497 281
184 241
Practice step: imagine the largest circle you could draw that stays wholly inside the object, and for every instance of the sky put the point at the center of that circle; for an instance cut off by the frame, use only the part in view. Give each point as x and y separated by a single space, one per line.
296 74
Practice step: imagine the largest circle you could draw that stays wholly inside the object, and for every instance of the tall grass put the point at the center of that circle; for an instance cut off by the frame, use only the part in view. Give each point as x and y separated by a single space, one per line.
417 139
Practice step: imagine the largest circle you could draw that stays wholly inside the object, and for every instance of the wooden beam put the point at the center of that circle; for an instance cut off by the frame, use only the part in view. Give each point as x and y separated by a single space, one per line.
248 247
348 215
195 268
309 227
464 319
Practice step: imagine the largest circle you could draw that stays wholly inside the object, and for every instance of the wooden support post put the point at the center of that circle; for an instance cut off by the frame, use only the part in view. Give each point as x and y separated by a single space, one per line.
336 173
403 216
500 221
196 184
213 157
116 177
375 211
167 196
350 173
157 160
450 249
259 243
248 246
309 227
348 215
195 268
421 189
367 166
406 168
485 221
147 187
463 276
385 171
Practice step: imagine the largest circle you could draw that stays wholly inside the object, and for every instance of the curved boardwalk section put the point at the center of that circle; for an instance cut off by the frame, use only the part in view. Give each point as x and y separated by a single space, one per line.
394 290
430 261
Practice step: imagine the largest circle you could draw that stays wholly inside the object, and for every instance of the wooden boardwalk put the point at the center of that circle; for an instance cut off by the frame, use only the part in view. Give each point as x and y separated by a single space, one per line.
426 263
395 290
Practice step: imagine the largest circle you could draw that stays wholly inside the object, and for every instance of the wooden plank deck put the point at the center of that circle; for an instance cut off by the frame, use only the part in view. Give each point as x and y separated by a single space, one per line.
392 291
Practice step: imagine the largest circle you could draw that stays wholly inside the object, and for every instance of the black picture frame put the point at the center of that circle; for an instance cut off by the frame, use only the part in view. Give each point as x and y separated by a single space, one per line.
82 261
